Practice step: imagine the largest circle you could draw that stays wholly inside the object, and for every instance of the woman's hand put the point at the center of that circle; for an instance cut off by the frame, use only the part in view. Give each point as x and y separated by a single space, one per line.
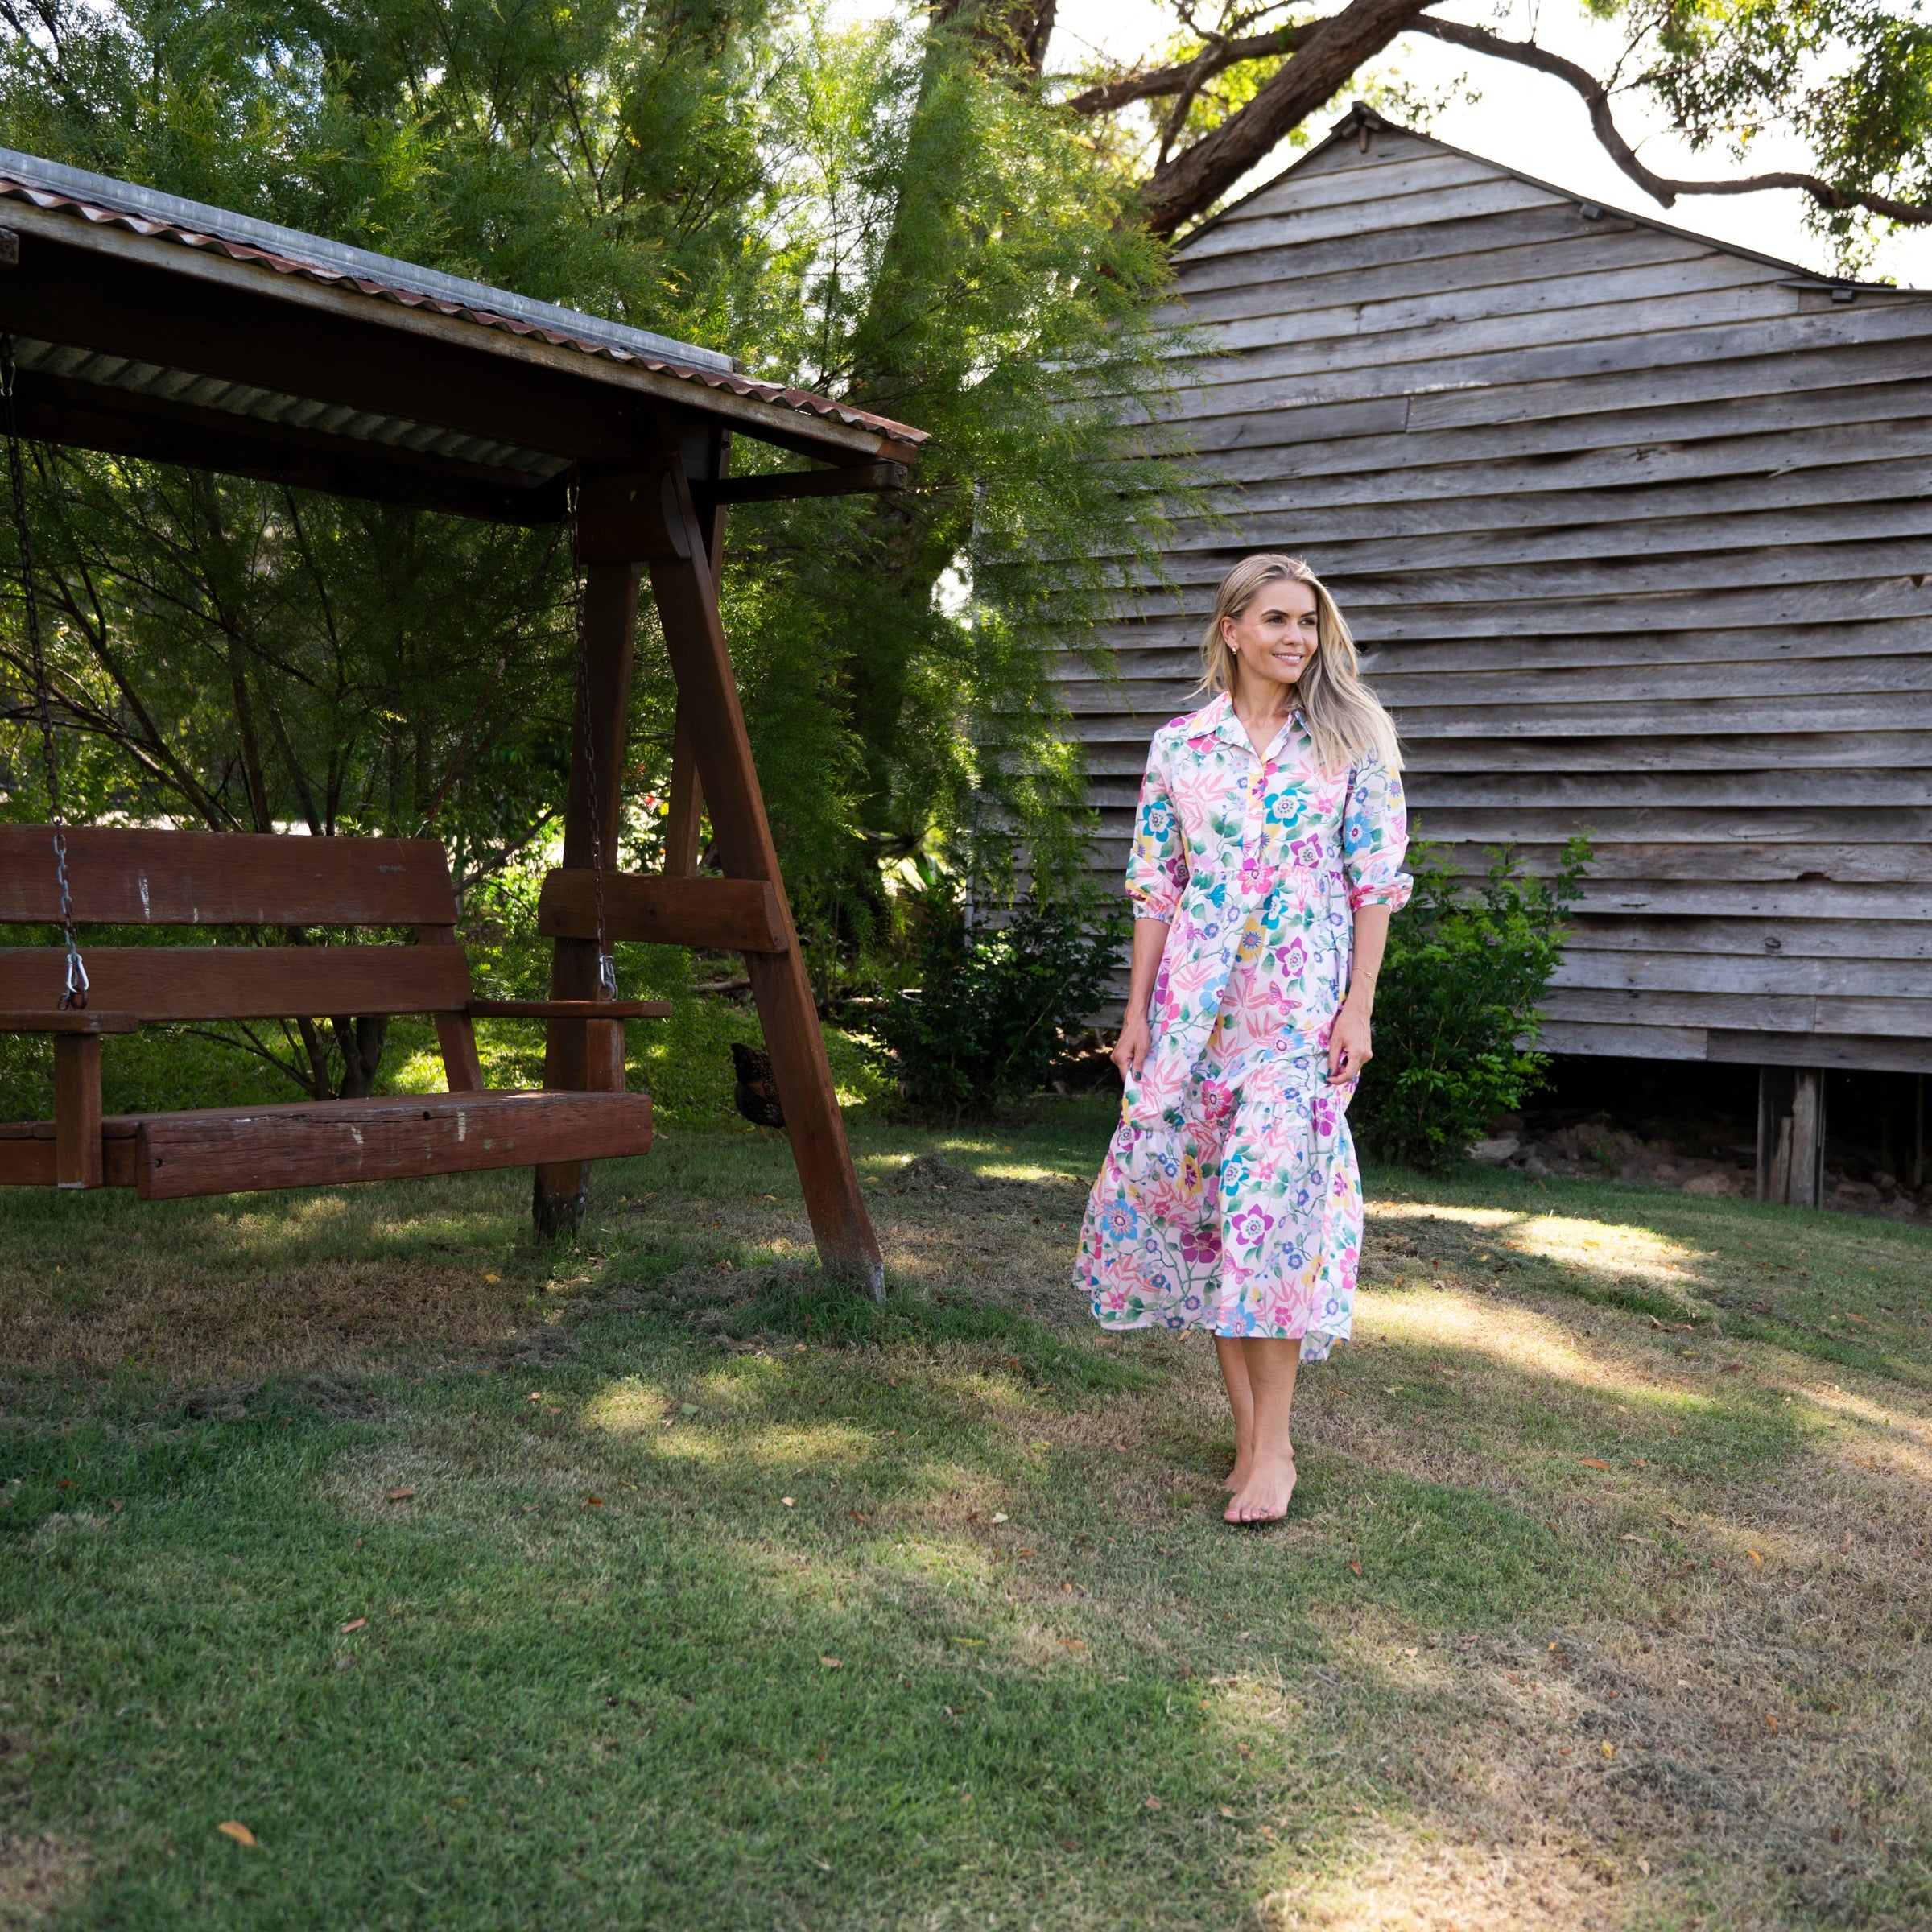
1130 1050
1348 1048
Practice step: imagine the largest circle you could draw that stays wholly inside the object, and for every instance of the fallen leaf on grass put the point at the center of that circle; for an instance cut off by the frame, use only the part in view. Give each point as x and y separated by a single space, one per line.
787 1501
1073 1643
1412 1650
1609 1750
354 1624
66 1482
591 1502
1773 1722
492 1278
1643 1865
999 1515
1268 1832
832 1663
240 1833
117 1504
1754 1556
397 1495
858 1516
1592 1462
1227 1812
1355 1566
1153 1804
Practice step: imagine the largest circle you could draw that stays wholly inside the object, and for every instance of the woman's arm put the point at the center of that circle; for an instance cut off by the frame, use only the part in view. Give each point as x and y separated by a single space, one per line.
1149 941
1349 1050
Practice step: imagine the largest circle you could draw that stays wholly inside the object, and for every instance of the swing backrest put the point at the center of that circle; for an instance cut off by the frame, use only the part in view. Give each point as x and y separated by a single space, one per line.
140 877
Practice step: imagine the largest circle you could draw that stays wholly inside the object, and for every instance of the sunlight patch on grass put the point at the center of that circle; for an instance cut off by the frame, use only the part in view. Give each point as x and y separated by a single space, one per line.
1605 1248
798 1449
627 1408
1514 1337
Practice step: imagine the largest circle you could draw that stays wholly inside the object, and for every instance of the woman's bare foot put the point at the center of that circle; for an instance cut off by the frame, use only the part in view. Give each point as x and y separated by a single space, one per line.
1264 1497
1236 1479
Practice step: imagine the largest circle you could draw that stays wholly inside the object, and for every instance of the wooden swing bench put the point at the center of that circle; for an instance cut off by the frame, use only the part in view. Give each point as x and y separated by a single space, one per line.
165 879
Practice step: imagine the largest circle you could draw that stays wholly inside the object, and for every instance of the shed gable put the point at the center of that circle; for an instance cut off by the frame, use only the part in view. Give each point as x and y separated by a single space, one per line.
1634 529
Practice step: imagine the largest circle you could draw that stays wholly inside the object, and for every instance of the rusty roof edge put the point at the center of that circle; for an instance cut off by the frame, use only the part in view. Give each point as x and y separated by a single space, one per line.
290 250
318 251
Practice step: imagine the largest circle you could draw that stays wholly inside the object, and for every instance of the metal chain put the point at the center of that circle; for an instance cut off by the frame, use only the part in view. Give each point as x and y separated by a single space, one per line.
74 994
607 967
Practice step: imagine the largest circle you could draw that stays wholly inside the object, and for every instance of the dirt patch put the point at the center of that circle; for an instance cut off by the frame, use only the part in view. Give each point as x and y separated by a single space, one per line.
38 1876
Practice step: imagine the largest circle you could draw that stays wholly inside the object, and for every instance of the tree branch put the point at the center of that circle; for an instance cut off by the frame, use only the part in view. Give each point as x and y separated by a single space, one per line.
1661 188
1328 52
1110 96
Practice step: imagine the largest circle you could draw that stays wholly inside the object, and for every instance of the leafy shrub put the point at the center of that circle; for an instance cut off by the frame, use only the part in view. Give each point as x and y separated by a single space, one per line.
1456 1010
995 1005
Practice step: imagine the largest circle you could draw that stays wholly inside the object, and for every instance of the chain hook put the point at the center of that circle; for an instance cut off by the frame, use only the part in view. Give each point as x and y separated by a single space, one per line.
73 996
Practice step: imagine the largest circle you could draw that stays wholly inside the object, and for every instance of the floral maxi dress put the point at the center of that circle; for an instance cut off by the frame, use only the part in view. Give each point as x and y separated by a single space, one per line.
1230 1198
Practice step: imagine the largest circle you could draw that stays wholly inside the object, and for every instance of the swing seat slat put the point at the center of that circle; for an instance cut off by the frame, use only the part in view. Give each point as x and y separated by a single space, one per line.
146 878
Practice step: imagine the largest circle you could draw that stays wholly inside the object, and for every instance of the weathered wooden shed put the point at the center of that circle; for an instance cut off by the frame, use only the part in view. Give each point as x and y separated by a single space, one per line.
1634 527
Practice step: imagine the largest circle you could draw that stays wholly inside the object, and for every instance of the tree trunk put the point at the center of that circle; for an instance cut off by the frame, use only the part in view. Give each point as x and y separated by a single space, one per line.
1194 181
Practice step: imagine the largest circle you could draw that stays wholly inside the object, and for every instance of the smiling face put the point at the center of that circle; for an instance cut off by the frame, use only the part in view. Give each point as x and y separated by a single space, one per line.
1276 637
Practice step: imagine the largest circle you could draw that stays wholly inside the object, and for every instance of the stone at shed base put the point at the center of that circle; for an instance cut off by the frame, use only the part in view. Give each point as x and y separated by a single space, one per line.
1498 1149
1714 1185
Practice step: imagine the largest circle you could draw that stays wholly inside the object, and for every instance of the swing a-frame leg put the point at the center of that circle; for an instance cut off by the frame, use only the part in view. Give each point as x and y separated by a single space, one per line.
648 516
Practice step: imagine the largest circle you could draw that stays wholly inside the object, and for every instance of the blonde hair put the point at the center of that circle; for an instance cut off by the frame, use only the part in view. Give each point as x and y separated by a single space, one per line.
1343 717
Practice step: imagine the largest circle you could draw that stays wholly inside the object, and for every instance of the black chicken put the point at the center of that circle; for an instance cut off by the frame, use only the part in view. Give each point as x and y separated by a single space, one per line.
757 1092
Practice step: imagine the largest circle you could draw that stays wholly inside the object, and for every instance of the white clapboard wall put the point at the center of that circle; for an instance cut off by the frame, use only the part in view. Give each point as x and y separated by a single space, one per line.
1635 529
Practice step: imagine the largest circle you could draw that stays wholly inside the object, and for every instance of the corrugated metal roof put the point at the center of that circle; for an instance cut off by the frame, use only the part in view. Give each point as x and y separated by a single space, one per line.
99 198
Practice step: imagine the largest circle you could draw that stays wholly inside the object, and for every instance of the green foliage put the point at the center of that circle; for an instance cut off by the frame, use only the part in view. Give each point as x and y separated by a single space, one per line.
995 1003
1455 1011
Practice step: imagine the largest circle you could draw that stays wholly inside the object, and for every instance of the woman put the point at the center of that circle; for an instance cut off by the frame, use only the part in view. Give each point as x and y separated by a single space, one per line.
1267 859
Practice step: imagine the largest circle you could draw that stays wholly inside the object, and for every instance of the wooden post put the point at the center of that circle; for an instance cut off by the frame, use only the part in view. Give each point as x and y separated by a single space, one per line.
587 1056
661 524
77 1110
687 804
1791 1135
1918 1131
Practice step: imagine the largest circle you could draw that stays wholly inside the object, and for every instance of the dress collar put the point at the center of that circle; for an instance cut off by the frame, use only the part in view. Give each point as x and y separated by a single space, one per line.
1216 720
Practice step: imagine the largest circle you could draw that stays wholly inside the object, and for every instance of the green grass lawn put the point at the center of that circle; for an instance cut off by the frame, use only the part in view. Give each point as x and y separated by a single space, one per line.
654 1583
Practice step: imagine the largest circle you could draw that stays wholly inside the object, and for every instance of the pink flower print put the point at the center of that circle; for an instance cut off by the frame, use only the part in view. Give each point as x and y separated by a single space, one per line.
1324 1116
1249 1228
1217 1101
1201 1246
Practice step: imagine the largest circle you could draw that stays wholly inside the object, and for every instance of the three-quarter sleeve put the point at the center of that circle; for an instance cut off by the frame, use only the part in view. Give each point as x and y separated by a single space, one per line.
1375 836
1157 867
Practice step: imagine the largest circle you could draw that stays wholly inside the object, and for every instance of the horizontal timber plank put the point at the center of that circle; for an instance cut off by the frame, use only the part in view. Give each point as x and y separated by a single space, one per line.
1406 299
1622 1043
84 1021
1878 1053
1256 353
1903 827
1877 941
1779 973
1497 194
1724 505
1771 356
1453 248
134 877
238 1150
1721 436
1761 1012
1530 272
1855 516
739 915
188 982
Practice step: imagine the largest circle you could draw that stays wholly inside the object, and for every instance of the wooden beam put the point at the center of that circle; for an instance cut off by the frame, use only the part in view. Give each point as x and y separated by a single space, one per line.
786 484
686 597
77 1110
1791 1135
124 424
242 1150
738 915
587 1055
